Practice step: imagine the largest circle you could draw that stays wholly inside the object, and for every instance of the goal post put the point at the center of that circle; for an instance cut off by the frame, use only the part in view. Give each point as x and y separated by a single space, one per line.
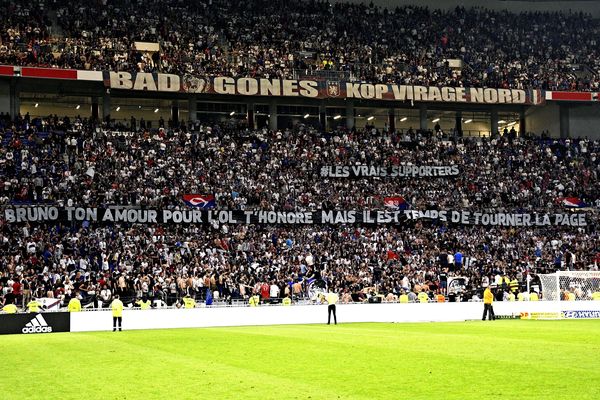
570 285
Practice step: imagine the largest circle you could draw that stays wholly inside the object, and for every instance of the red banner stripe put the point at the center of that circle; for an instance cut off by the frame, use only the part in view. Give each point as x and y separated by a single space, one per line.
6 70
573 96
49 73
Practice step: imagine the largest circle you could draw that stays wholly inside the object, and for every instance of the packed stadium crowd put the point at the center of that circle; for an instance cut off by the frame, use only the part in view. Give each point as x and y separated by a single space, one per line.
276 38
68 162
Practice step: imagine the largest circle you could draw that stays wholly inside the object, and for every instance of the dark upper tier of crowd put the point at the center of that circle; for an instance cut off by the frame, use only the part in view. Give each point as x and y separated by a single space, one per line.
275 38
73 162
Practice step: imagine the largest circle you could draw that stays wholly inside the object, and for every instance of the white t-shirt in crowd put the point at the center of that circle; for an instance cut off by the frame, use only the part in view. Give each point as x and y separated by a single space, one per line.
274 291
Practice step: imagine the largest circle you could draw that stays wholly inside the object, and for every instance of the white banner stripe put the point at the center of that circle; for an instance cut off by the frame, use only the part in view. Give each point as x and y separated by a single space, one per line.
89 75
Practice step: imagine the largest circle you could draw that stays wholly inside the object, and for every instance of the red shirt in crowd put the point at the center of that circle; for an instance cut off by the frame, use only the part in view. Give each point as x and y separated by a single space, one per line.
17 288
264 290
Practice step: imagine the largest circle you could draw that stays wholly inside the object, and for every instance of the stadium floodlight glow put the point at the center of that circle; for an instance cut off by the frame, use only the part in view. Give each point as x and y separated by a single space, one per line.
119 108
36 105
78 107
337 117
371 118
502 121
156 110
468 121
232 113
403 119
306 116
435 120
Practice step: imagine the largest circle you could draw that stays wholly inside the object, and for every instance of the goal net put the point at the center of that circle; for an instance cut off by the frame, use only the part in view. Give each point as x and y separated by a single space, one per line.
570 285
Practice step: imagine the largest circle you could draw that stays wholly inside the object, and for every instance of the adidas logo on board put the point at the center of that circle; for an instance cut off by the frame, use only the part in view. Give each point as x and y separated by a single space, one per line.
37 325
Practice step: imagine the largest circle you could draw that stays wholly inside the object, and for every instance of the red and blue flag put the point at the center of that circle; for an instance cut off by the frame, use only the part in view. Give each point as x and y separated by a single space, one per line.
572 202
396 202
199 201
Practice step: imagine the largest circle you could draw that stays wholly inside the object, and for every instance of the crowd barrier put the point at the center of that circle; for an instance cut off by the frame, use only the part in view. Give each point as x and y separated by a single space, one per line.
317 314
282 315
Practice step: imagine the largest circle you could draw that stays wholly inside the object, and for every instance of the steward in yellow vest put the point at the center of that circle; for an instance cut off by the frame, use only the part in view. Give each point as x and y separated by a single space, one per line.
254 301
189 302
488 300
117 312
10 309
34 306
514 286
143 304
533 296
74 305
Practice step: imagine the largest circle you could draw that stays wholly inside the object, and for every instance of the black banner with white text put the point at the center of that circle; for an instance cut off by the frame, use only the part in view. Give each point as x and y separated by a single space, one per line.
129 215
315 89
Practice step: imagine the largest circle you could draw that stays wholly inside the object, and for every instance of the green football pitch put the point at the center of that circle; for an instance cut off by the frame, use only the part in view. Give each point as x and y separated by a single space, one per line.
509 359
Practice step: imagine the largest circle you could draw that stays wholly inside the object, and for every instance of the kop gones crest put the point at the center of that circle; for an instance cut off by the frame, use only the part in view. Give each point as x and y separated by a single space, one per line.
333 88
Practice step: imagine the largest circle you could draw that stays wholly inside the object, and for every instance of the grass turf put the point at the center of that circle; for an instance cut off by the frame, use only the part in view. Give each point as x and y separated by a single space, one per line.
472 360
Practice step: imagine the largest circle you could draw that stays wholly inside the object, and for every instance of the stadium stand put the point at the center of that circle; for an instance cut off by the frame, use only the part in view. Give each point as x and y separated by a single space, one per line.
74 162
405 45
96 161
